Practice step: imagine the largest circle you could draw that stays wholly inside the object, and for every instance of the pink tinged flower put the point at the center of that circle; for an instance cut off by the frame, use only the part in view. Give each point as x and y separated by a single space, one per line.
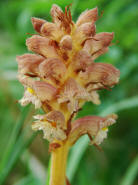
81 61
96 127
51 130
101 74
72 93
87 16
44 91
42 46
66 43
98 42
52 68
37 23
28 63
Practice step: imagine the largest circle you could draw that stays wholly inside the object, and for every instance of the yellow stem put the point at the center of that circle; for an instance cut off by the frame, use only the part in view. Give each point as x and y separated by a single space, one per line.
58 165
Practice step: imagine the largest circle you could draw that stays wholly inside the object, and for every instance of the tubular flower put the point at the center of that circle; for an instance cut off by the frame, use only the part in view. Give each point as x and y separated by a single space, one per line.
62 75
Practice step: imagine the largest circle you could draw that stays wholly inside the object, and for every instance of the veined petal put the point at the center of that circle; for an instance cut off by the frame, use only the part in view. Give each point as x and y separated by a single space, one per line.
91 125
42 46
87 16
50 131
88 29
66 42
52 67
37 23
104 37
100 52
44 91
81 60
51 31
98 42
28 63
106 74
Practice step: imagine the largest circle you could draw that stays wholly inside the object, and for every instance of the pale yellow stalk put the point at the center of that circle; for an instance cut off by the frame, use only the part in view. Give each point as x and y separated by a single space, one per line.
58 165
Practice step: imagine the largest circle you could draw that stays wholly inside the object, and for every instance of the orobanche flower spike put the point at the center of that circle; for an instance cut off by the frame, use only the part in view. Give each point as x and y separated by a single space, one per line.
61 76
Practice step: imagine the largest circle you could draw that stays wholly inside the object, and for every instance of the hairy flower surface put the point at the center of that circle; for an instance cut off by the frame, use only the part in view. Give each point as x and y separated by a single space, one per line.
62 75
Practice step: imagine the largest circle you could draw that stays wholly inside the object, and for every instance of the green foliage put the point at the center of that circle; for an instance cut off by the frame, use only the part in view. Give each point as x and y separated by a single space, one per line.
118 163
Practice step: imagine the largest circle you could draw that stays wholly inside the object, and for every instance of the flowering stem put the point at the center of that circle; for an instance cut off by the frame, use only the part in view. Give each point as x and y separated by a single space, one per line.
58 165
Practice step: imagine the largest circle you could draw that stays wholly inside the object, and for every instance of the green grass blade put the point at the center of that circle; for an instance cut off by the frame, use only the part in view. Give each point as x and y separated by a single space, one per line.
13 137
131 173
48 175
124 104
19 148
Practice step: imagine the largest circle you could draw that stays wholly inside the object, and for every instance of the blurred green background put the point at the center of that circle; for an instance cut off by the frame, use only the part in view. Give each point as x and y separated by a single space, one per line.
23 154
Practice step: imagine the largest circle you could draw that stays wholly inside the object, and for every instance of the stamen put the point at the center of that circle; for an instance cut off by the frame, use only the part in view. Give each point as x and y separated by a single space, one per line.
30 90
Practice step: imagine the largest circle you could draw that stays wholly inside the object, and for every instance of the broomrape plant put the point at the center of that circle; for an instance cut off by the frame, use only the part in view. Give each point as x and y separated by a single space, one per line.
61 77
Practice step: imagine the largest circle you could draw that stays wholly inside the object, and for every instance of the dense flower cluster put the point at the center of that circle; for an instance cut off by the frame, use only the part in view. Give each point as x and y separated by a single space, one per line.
62 75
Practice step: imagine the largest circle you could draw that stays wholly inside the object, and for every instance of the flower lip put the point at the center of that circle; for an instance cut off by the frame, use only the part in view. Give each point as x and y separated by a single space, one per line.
44 91
90 125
